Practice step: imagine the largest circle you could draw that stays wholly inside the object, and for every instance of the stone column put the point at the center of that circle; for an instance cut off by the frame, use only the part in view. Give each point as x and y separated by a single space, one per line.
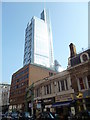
65 85
52 88
78 85
42 90
60 86
56 87
86 80
69 82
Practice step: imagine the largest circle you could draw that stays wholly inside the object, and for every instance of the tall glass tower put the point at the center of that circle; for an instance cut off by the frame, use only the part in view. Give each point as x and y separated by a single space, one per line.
38 41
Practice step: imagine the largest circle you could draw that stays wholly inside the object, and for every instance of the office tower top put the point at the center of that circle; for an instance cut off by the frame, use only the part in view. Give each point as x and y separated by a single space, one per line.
38 41
45 15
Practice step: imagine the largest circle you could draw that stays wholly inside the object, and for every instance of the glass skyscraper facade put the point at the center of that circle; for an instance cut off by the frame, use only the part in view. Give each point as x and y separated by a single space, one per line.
38 41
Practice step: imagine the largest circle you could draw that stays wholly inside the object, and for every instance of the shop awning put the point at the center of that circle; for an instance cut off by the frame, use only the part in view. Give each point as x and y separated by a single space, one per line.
59 104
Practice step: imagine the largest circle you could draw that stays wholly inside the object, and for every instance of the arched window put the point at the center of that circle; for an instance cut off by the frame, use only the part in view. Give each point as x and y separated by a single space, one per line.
84 57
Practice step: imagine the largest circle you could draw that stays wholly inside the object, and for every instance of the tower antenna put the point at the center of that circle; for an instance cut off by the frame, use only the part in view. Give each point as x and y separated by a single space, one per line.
44 4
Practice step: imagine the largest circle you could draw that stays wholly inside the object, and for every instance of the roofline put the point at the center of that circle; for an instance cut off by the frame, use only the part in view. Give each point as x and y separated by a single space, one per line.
5 84
75 66
36 65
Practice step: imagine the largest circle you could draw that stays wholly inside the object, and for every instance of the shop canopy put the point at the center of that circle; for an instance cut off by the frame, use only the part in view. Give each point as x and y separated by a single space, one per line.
59 104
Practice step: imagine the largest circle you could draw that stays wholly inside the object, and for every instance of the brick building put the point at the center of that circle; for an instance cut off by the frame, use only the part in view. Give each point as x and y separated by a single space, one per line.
21 80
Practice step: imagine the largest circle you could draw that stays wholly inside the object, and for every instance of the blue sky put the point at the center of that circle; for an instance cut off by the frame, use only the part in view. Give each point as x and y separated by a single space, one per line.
69 24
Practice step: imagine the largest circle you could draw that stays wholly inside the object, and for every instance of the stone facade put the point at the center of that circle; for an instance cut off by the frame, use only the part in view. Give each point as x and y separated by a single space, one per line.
4 96
70 87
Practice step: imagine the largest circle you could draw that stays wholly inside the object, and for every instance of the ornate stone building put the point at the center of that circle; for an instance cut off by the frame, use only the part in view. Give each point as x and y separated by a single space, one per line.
79 70
66 91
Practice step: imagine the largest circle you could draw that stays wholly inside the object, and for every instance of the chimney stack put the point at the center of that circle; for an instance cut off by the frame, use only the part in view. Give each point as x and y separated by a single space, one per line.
72 50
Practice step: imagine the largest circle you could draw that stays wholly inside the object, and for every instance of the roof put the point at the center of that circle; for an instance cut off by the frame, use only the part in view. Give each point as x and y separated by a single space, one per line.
76 60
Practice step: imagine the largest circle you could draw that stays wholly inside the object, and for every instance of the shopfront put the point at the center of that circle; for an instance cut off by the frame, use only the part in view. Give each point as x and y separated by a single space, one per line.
44 104
62 107
48 104
62 104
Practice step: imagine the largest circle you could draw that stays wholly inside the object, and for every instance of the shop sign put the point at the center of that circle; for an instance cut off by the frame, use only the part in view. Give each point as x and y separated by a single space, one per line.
61 98
48 100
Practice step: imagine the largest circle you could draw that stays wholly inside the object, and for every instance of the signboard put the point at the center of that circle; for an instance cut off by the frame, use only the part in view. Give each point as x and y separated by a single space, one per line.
61 98
49 100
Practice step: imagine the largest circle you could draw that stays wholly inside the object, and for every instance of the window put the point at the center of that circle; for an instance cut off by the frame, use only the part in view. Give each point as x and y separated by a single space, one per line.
17 80
50 73
62 85
88 77
47 89
37 92
81 83
59 86
27 75
50 88
44 90
30 24
66 84
84 57
27 82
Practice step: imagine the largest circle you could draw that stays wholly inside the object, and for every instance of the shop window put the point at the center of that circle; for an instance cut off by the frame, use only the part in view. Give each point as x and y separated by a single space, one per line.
81 83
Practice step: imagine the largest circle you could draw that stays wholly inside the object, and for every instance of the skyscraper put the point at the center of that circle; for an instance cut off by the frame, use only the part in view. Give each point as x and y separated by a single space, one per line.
38 41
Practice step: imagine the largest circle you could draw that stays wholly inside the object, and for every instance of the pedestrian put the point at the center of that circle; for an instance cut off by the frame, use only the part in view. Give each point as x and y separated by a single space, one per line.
61 116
